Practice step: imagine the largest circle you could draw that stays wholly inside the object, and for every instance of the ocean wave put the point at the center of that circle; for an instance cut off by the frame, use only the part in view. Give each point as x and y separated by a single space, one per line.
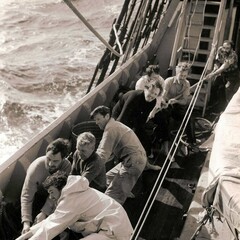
47 58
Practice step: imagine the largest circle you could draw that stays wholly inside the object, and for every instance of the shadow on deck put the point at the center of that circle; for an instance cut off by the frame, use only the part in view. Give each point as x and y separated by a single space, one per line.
166 217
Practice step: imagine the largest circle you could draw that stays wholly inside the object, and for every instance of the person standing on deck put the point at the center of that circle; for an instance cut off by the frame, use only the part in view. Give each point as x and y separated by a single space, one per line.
176 95
34 197
133 110
226 76
120 141
87 163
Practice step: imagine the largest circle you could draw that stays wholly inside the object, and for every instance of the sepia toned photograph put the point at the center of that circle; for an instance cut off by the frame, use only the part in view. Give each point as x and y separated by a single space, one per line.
119 120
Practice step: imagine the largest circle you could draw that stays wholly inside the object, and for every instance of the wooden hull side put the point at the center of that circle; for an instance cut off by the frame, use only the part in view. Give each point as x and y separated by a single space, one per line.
13 171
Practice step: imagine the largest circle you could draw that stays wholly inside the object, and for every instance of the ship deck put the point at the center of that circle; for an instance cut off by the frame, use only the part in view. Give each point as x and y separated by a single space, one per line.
167 215
170 209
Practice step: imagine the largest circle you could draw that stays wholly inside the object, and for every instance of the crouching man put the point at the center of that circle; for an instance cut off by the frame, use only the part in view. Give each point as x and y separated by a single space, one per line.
81 209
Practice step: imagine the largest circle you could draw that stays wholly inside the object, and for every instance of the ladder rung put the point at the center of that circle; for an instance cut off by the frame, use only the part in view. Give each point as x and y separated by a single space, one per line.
203 91
202 39
213 2
194 76
201 51
209 2
210 15
208 27
198 24
199 64
199 103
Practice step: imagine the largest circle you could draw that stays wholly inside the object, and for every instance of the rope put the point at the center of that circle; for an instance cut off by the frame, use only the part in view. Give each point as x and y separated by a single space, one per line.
135 29
168 160
88 25
117 39
189 29
207 217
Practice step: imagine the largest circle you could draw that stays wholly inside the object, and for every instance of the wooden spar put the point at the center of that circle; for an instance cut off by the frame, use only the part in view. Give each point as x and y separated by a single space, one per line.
80 16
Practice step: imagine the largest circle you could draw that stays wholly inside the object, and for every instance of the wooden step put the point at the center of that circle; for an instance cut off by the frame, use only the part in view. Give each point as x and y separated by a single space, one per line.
198 64
202 39
216 3
199 25
208 2
214 15
208 27
194 42
194 76
199 51
201 5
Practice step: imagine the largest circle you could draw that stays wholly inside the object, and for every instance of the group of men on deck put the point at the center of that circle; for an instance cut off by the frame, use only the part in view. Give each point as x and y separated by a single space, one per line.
80 197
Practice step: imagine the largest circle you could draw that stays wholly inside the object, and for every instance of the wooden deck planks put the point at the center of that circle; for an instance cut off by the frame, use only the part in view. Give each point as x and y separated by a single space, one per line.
166 217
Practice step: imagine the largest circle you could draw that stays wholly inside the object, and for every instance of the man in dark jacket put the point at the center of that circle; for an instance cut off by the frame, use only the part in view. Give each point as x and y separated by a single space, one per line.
133 110
87 163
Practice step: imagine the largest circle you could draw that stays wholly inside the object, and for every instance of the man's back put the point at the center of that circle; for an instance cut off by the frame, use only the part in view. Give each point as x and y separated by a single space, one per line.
92 168
132 109
36 174
119 140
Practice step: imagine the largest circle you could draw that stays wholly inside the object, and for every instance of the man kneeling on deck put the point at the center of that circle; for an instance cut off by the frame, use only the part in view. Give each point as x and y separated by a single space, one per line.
122 142
87 163
34 197
81 209
176 96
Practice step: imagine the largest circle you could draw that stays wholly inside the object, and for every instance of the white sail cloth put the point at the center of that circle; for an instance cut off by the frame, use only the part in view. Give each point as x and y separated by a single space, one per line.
224 167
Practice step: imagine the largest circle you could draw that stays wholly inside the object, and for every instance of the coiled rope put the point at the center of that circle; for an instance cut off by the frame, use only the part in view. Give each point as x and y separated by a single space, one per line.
89 26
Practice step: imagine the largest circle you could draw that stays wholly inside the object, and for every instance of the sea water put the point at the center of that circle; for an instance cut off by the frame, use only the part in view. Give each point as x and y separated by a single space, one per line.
47 59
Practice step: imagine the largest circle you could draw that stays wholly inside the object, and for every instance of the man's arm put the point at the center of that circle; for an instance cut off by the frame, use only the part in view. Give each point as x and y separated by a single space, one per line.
217 71
48 207
57 222
93 169
182 99
123 111
168 83
73 167
117 108
105 147
28 191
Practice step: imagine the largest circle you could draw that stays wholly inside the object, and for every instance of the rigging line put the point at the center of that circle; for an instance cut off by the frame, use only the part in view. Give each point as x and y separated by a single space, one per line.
117 39
143 25
130 31
123 36
199 36
158 184
160 13
190 107
135 29
189 28
80 16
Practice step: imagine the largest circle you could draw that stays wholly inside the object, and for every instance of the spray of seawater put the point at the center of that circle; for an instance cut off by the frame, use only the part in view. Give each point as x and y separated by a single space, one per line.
47 58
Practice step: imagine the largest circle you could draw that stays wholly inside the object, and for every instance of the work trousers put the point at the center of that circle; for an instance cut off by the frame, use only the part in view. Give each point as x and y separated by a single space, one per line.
176 112
223 88
122 178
